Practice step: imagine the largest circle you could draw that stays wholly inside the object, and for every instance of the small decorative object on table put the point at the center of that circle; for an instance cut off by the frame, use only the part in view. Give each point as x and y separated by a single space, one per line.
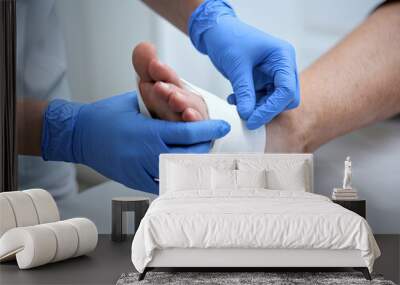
347 192
121 205
347 196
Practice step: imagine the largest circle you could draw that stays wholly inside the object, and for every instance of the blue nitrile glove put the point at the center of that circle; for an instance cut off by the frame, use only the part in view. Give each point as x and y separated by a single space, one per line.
112 137
254 62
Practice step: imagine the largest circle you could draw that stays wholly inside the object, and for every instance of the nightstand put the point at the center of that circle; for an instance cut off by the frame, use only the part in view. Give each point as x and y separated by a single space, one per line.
121 205
357 206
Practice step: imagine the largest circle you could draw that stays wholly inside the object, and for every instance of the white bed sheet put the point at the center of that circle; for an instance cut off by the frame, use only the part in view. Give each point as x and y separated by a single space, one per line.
254 218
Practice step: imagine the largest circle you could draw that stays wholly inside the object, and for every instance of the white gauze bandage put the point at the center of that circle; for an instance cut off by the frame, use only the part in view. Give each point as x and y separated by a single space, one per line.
239 139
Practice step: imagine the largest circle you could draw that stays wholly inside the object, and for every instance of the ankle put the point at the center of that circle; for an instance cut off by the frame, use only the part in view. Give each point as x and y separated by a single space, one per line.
290 132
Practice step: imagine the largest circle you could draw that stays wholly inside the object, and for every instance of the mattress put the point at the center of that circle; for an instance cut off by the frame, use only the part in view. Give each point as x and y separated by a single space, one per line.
251 219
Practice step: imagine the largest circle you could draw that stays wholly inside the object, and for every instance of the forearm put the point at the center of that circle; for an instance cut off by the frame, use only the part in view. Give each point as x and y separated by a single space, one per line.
29 126
177 12
357 83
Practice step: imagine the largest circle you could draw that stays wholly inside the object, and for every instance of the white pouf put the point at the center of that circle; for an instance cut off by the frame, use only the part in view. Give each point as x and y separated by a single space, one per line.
7 220
40 244
23 208
46 207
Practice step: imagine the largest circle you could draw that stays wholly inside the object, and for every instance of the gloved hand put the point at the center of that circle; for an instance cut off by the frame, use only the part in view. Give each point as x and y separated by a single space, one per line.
261 68
112 137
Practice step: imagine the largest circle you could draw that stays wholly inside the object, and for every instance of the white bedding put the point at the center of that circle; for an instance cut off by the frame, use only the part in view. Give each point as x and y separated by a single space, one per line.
252 218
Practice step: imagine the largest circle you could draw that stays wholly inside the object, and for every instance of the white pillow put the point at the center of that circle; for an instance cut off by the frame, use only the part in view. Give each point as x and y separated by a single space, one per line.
251 179
223 179
288 177
188 177
282 174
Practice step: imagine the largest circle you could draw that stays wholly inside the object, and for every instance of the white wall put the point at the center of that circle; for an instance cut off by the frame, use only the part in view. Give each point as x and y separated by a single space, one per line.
100 35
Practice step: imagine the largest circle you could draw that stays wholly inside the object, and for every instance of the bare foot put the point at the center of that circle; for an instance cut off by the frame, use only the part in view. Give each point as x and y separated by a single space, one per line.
161 89
165 98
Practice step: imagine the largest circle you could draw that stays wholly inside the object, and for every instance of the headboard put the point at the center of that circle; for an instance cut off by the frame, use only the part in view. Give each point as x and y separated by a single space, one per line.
226 159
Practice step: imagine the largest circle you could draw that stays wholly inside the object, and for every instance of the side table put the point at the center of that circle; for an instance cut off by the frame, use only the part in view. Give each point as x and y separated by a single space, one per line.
120 205
357 206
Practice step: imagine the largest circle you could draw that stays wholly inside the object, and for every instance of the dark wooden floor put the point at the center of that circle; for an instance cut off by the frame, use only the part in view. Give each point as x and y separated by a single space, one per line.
102 266
110 260
389 262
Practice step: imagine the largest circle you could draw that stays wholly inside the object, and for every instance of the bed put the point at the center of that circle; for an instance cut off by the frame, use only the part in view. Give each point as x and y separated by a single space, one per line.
247 211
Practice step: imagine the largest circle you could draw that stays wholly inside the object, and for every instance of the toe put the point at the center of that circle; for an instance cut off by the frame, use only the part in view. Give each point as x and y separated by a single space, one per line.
142 55
162 72
157 106
178 101
163 90
191 115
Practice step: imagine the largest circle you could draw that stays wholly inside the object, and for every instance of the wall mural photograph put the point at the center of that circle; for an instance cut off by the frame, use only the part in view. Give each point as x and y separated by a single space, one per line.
199 141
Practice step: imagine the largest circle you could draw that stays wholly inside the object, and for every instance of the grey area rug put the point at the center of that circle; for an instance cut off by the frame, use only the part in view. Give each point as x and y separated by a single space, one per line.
269 278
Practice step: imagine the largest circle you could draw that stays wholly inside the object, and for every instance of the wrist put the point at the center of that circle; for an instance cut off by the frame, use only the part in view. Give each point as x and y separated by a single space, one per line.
58 130
29 125
206 17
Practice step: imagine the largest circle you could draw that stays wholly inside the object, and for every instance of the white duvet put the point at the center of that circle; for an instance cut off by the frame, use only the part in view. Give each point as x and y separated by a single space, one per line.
250 219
